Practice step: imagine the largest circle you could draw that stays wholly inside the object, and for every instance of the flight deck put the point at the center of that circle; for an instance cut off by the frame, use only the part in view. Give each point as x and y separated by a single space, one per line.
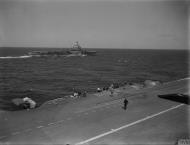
101 119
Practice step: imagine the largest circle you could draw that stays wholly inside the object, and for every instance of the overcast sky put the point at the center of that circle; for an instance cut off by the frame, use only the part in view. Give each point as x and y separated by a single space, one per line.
155 24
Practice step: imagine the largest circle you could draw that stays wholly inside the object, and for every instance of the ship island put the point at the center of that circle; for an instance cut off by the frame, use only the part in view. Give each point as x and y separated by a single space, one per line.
75 50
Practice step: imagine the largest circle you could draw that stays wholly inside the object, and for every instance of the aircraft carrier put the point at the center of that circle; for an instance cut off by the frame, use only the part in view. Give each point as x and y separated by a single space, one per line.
154 115
76 50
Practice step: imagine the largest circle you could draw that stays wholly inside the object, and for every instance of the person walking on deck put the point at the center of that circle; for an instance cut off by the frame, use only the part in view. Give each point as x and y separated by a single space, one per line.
125 102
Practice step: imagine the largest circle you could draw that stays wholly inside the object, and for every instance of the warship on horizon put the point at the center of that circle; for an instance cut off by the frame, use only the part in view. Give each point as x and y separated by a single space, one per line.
76 50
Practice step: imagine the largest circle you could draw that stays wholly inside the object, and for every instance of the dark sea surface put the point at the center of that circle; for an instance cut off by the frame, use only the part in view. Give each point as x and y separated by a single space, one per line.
47 78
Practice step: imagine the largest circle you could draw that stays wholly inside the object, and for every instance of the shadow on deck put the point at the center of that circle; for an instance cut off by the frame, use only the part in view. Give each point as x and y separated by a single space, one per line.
181 98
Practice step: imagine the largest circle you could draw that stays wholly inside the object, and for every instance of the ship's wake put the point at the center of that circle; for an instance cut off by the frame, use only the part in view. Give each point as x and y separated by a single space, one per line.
15 57
28 56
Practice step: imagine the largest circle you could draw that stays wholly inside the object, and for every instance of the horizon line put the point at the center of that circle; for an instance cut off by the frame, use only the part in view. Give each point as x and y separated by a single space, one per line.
95 48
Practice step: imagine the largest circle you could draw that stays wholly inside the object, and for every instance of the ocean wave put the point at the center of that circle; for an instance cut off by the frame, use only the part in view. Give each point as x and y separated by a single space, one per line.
15 57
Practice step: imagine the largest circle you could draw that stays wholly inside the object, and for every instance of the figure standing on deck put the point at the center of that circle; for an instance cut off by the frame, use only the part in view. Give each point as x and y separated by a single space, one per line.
111 89
125 102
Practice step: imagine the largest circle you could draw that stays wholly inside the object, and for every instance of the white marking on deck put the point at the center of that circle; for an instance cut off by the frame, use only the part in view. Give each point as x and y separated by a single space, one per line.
15 133
51 123
177 80
128 125
39 126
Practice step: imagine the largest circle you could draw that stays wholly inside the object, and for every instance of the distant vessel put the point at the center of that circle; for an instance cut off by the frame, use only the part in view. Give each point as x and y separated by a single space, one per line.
76 50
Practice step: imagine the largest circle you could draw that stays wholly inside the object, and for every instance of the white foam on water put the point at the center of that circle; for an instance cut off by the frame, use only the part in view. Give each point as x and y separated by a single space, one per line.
15 57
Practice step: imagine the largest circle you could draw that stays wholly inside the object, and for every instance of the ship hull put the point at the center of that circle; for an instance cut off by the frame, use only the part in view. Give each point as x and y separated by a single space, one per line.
47 53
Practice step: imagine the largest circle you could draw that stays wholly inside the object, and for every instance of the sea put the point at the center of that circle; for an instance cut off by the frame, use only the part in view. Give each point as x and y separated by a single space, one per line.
51 77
